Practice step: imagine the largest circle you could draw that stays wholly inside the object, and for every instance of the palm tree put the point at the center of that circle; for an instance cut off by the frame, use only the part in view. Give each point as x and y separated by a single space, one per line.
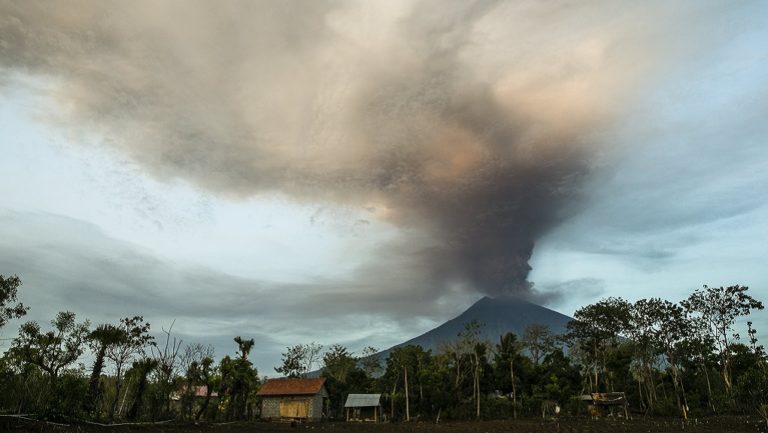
142 368
100 339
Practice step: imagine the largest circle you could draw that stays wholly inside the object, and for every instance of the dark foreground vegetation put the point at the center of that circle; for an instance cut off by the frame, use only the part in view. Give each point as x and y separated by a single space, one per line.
719 424
683 364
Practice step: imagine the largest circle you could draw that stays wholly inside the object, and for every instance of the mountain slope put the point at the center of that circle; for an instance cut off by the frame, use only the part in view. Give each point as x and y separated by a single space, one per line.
500 315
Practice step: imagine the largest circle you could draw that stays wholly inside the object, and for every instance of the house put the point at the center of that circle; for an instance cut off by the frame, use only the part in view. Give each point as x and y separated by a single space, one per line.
363 407
295 399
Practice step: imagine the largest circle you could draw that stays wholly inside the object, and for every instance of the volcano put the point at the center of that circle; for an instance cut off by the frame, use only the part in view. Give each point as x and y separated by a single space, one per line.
498 315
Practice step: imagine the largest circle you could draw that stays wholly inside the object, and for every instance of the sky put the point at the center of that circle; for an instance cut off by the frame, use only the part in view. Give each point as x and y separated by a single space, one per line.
360 172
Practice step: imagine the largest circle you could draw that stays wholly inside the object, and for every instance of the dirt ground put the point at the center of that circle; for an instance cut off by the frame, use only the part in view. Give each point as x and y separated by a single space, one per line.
572 425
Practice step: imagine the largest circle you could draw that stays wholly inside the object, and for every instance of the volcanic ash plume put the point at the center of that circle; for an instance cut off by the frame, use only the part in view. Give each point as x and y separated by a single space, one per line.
469 125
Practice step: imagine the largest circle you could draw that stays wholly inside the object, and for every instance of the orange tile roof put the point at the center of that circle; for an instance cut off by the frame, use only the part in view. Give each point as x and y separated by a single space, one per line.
291 387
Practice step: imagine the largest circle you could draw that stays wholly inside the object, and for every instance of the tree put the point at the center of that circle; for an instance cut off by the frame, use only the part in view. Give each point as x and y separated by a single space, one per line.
293 365
47 355
238 379
340 370
695 351
244 347
370 362
594 333
670 330
561 379
299 359
506 358
642 330
205 373
470 342
193 364
539 341
409 364
752 389
338 363
54 350
311 355
194 354
133 338
100 339
141 369
719 308
167 359
8 291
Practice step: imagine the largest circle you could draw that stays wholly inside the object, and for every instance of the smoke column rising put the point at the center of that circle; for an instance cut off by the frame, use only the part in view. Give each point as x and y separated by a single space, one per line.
470 124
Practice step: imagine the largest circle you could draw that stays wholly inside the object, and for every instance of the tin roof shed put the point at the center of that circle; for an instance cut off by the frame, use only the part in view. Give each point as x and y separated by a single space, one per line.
363 400
363 407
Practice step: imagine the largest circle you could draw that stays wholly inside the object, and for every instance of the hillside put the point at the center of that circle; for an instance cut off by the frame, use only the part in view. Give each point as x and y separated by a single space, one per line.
500 315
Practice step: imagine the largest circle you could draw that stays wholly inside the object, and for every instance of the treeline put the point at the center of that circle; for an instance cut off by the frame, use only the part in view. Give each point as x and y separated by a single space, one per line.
672 359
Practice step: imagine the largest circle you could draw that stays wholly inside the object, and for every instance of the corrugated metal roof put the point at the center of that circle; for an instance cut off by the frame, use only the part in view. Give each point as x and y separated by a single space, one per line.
292 387
362 400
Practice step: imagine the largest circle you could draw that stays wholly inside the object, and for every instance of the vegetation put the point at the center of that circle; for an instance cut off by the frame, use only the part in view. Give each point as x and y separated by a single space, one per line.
674 359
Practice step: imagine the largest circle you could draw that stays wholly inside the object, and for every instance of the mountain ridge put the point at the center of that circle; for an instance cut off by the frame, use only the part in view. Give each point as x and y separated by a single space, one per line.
497 315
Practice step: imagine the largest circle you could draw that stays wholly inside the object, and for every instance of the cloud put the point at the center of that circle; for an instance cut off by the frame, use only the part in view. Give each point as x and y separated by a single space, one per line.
66 264
576 290
471 126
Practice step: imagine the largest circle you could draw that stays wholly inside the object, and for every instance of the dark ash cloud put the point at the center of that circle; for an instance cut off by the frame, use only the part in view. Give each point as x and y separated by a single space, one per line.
465 124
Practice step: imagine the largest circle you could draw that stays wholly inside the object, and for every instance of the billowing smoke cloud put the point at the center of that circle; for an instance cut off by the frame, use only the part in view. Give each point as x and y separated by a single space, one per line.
469 125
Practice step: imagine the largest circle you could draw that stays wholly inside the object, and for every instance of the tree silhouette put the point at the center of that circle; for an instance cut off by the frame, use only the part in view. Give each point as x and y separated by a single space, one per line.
8 291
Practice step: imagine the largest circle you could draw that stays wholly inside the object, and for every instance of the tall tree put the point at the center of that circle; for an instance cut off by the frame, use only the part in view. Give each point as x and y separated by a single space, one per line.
642 332
100 340
471 342
507 359
205 372
239 379
539 341
671 329
594 333
141 369
696 351
134 338
719 308
168 360
192 364
407 367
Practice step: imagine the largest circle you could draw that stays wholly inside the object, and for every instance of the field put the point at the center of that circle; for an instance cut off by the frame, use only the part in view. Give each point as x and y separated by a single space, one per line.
572 425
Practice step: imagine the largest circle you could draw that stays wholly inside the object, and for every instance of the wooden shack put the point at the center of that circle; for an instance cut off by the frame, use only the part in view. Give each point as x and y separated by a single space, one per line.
363 407
610 400
293 399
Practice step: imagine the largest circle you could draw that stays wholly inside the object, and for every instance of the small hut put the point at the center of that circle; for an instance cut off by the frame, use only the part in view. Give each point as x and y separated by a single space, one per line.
611 400
294 399
363 407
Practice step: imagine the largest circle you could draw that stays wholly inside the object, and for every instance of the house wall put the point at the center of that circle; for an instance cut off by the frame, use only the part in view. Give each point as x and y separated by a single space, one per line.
270 406
316 407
